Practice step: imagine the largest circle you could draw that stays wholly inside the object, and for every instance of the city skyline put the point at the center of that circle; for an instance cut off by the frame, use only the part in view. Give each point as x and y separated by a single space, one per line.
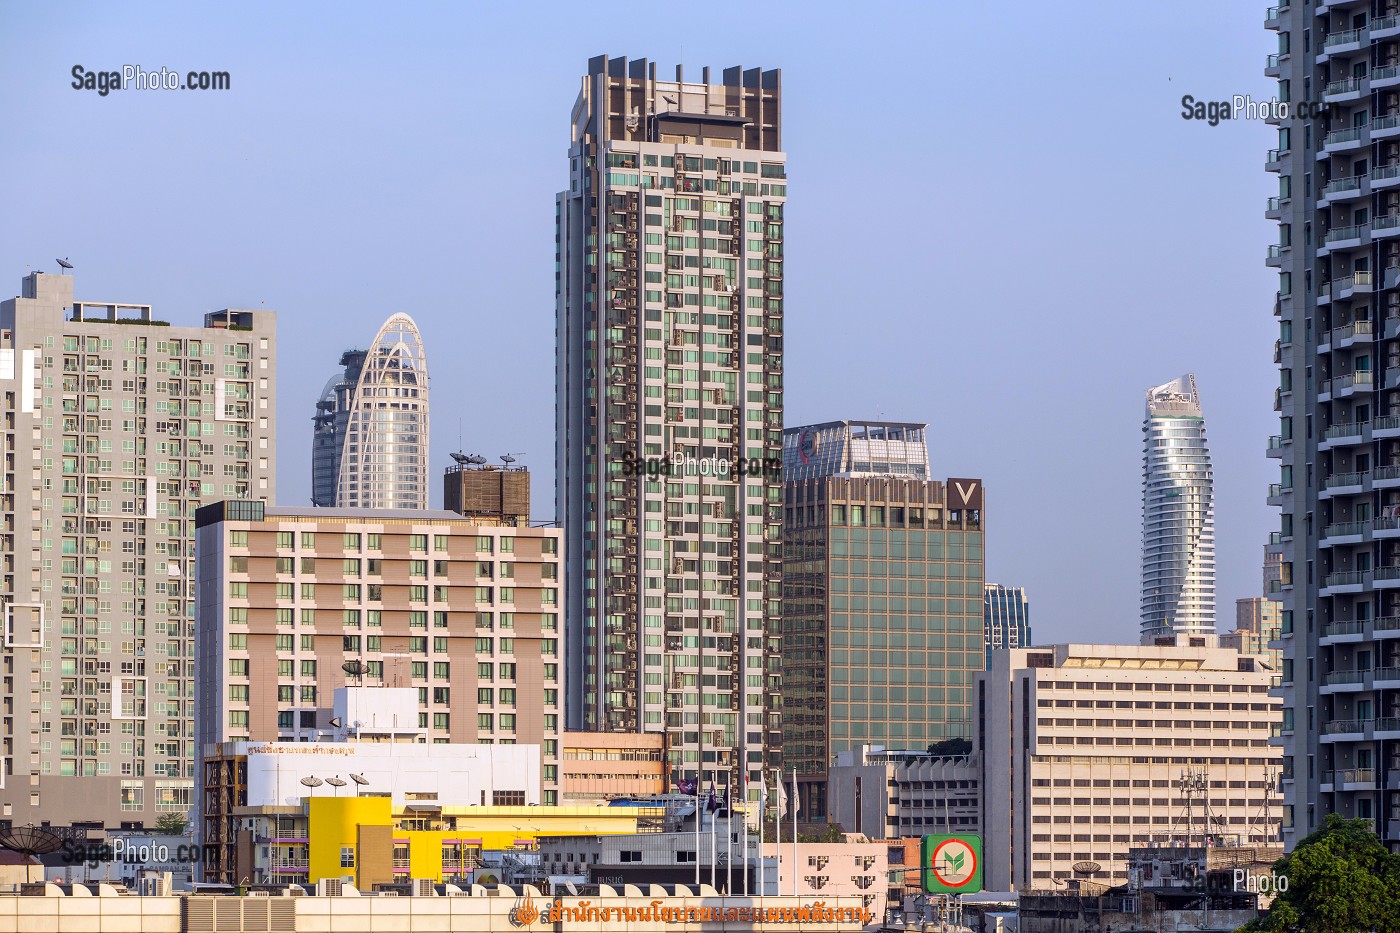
351 276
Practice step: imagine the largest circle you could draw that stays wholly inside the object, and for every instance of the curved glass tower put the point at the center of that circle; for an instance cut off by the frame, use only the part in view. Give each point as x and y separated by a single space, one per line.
1178 522
370 444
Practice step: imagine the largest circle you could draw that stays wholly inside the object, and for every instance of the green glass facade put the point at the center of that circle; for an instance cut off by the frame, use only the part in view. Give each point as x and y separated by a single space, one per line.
883 620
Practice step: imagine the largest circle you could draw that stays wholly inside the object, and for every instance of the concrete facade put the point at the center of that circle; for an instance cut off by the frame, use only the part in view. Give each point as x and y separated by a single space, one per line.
669 249
601 766
117 427
1088 750
463 613
893 794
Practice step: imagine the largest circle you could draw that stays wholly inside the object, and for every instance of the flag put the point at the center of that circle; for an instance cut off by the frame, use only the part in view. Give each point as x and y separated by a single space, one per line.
689 788
782 797
796 800
714 799
762 795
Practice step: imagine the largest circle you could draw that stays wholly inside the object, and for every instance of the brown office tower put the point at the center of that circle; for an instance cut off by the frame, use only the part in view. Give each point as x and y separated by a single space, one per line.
478 491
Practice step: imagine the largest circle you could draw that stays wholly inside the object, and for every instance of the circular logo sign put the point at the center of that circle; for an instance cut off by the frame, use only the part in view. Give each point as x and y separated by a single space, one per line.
807 445
954 863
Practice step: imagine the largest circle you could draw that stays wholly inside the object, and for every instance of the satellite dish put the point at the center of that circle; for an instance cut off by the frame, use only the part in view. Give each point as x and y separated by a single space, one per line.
461 458
312 782
507 459
335 782
476 459
354 668
1085 869
30 840
359 779
63 263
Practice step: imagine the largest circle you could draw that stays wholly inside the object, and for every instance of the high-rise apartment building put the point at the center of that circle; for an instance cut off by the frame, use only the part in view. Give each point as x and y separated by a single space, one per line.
1338 308
669 246
1178 516
369 443
1007 622
117 426
297 602
1089 750
882 597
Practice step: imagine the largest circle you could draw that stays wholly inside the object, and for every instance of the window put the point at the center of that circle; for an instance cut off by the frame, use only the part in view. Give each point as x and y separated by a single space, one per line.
238 642
484 646
284 539
484 722
347 856
350 541
373 542
440 543
238 667
238 693
508 798
483 696
417 542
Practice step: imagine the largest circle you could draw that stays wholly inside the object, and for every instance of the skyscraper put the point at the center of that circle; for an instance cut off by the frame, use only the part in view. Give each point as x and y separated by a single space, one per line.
1338 442
1178 519
118 426
669 245
882 597
1008 617
369 446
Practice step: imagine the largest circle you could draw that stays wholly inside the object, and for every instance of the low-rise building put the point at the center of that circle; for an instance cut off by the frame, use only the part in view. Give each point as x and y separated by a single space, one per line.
1089 750
887 794
600 766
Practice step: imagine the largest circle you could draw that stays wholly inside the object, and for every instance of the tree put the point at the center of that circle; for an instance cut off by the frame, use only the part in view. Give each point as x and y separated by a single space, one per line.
951 747
172 823
1341 879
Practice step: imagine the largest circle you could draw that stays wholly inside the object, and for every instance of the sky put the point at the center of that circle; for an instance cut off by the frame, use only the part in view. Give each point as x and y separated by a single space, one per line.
998 223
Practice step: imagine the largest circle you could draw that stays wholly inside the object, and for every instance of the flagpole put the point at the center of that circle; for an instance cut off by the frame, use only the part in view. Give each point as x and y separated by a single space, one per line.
778 829
714 824
728 839
744 828
697 832
794 832
762 813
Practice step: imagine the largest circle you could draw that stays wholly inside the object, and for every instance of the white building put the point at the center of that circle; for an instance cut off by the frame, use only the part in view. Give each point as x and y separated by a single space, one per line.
1088 750
1178 514
370 439
888 794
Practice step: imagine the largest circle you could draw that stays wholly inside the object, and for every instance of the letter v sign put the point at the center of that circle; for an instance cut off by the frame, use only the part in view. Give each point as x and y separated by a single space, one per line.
968 492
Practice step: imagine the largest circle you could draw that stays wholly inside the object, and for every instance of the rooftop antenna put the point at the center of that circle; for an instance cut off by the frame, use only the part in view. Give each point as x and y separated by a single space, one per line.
337 782
355 669
360 781
313 783
63 264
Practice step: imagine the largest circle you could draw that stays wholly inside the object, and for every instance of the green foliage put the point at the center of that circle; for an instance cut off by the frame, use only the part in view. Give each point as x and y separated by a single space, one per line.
172 823
1340 880
951 747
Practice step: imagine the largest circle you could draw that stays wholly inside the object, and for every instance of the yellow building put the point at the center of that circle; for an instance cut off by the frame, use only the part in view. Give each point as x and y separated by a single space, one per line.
365 839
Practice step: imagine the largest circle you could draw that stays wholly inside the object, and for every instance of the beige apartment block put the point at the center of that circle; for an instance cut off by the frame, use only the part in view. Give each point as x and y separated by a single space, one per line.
602 766
1089 750
296 602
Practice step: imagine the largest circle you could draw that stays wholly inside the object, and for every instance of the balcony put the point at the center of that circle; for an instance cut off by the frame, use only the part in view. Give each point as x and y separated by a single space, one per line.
1273 16
1385 528
1272 257
1350 432
1343 140
1338 92
1344 680
1349 581
1275 494
1272 211
1344 533
1386 427
1388 76
1343 632
1360 282
1343 484
1342 189
1384 26
1347 40
1348 237
1384 127
1352 383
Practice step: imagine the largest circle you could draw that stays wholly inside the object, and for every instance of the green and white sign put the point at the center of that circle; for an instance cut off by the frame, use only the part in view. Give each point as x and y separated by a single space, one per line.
952 864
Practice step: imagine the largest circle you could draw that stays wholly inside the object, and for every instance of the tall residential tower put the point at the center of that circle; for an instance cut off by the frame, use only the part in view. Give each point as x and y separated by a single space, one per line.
117 427
669 249
369 445
1178 517
1338 442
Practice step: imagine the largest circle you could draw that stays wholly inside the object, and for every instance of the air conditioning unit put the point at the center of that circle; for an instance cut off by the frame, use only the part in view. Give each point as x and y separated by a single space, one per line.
329 887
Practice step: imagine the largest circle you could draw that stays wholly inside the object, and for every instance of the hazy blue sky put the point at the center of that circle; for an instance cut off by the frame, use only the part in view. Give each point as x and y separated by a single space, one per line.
999 224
